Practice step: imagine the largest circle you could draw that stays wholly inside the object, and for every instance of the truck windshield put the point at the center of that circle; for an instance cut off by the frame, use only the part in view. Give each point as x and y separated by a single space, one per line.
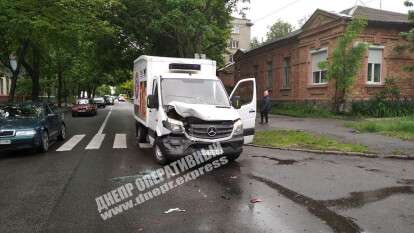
194 91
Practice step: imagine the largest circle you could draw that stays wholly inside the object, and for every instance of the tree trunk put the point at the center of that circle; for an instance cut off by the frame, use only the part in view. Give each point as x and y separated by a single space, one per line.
13 85
36 75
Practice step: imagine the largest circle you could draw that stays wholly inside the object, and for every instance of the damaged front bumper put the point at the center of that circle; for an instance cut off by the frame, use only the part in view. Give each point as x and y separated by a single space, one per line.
178 146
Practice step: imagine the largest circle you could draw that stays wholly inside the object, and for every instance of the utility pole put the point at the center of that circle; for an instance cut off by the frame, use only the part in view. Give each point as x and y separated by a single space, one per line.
381 4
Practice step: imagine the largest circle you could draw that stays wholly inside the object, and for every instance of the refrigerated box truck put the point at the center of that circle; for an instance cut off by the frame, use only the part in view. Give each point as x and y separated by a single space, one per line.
181 106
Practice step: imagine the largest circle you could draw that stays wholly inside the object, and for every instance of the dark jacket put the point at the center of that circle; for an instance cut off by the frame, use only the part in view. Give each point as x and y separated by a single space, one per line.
265 105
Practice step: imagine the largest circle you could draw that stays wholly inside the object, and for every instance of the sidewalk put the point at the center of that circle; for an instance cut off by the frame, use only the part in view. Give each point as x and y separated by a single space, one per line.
379 144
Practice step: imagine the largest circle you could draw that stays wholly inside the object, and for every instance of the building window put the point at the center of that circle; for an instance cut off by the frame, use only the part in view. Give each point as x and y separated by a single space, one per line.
231 58
270 75
319 75
286 72
374 65
235 30
234 44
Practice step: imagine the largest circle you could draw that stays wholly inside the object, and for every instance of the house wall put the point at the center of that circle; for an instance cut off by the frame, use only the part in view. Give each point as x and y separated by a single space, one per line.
4 89
314 38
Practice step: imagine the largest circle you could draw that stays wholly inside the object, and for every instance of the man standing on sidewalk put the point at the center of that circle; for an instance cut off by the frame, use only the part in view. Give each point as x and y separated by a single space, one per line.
265 107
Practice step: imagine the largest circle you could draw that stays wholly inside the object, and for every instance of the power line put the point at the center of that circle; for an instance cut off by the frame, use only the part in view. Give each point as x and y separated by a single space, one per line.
277 10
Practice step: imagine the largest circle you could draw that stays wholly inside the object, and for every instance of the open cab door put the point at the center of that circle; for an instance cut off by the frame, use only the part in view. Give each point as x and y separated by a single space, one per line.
243 99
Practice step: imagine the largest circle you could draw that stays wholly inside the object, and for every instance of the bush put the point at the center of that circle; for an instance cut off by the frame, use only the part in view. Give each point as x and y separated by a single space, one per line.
383 108
301 110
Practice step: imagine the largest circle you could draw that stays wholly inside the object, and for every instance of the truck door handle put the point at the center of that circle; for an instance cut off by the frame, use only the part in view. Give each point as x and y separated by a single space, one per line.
252 111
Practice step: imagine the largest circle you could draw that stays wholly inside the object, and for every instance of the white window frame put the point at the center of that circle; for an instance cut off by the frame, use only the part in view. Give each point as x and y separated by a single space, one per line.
234 44
286 72
318 70
373 63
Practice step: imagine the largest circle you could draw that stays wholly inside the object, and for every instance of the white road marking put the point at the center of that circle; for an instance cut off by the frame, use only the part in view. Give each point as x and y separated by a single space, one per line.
144 145
120 141
104 123
96 142
71 143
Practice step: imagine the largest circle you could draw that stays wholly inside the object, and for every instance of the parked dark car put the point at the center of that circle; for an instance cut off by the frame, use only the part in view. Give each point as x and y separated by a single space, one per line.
30 125
100 102
84 107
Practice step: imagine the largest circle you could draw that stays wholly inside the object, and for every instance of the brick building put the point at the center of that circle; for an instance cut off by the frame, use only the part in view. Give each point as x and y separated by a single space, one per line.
289 65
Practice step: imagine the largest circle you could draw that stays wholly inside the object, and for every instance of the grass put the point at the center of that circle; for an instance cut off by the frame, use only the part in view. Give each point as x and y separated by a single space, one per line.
402 128
304 140
302 110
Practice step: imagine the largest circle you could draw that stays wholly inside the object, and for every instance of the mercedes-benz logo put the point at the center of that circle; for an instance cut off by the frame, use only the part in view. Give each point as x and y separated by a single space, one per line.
211 131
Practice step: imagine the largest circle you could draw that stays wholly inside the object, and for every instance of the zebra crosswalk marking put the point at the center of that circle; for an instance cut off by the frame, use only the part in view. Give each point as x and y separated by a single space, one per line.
120 141
71 143
96 142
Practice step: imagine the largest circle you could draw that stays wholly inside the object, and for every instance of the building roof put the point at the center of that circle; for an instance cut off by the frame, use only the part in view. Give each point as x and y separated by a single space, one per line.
371 14
376 15
288 36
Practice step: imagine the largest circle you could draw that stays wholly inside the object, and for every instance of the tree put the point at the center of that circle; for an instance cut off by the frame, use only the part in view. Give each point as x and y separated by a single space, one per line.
346 61
254 43
279 29
408 36
177 28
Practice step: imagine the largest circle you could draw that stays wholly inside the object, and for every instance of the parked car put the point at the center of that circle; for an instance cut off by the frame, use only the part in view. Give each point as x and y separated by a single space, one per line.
30 126
109 100
84 107
121 99
100 102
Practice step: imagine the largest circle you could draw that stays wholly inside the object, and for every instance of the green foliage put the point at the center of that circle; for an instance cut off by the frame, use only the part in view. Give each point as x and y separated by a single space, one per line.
254 43
397 127
387 103
303 140
126 87
346 60
383 108
75 46
279 29
391 90
301 110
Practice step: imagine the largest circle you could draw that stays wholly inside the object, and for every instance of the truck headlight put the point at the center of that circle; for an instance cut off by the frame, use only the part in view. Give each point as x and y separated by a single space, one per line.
25 133
174 126
238 127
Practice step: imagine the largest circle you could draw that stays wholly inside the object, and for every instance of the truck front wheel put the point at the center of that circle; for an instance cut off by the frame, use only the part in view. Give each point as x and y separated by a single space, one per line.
158 154
141 133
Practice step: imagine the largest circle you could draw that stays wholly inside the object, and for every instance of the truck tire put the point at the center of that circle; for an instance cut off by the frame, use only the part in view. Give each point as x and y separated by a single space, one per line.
158 154
140 133
233 157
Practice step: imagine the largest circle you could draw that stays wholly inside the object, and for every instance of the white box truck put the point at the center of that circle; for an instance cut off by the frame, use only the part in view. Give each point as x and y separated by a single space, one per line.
181 106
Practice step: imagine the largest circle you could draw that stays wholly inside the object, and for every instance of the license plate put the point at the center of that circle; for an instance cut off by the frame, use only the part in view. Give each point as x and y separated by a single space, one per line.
5 142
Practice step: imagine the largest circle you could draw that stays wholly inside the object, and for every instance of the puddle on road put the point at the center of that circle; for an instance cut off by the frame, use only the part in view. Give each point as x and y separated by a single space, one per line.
359 199
279 161
406 181
337 222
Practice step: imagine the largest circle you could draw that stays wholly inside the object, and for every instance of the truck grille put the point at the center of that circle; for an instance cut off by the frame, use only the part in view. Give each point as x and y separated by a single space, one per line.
6 133
210 130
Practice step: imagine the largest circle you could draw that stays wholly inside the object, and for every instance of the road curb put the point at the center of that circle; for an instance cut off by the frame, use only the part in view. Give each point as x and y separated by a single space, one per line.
367 155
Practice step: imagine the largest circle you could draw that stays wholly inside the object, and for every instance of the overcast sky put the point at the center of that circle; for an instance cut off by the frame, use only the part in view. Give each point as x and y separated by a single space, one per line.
264 12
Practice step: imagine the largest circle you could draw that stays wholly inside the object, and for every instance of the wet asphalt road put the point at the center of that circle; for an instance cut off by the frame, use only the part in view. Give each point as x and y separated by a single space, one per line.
300 192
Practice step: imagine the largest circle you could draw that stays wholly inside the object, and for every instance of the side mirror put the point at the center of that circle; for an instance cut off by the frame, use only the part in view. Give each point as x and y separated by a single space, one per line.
152 101
235 102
